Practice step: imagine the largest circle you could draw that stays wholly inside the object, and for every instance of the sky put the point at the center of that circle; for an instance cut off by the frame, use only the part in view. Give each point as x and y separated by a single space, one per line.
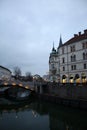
28 29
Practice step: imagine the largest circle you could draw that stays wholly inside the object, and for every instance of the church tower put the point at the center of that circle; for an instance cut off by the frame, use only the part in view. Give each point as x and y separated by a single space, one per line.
53 64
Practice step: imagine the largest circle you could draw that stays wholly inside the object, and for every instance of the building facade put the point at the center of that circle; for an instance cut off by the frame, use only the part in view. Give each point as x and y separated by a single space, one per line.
69 60
5 74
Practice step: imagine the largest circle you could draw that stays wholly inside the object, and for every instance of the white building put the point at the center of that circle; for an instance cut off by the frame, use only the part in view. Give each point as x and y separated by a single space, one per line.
71 59
5 74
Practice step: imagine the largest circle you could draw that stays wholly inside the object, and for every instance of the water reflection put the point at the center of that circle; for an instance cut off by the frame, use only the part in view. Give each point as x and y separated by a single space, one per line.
37 115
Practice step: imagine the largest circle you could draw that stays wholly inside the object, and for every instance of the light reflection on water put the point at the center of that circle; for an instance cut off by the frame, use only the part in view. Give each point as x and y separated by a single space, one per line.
41 116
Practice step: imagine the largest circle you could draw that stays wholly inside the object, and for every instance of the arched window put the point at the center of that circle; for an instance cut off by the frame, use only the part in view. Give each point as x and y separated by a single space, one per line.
76 76
64 77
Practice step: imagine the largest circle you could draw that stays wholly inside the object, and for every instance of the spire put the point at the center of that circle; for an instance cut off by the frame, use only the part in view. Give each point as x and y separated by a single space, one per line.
53 49
60 41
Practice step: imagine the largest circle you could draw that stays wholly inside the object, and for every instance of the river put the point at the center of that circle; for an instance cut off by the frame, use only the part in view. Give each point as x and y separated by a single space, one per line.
37 115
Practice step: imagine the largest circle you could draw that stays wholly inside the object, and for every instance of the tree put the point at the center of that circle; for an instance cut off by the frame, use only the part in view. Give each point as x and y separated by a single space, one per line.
29 76
17 72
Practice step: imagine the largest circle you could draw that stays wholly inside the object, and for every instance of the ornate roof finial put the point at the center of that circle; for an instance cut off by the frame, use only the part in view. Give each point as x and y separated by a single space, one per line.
53 49
60 41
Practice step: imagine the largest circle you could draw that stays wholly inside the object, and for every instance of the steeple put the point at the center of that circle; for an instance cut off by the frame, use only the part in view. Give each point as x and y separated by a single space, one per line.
60 42
53 49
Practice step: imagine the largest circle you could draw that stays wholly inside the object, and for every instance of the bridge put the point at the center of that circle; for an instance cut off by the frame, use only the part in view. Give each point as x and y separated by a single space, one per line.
8 84
32 86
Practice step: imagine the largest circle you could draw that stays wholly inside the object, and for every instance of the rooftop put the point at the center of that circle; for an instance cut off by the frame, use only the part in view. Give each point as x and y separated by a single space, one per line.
77 37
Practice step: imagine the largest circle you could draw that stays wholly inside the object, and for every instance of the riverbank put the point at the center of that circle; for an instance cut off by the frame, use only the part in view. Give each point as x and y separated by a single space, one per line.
75 103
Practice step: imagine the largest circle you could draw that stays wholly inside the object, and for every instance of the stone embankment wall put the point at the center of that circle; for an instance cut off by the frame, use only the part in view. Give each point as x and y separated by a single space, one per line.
69 91
73 95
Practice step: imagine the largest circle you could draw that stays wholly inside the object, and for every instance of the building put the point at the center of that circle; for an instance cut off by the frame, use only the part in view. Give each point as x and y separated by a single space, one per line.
46 78
69 60
5 74
53 65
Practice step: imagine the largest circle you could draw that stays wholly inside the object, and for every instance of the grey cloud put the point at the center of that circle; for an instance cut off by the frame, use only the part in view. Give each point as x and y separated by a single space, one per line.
28 28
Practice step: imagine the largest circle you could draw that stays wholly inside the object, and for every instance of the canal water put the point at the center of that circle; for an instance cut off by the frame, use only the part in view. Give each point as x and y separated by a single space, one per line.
37 115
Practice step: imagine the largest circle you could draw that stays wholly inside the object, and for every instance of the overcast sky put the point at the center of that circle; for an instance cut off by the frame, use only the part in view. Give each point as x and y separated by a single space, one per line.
29 27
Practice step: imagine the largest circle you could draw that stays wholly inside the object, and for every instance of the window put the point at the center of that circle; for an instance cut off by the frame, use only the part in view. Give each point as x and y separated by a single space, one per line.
73 58
85 66
62 50
63 68
84 45
63 60
84 56
73 67
52 66
72 48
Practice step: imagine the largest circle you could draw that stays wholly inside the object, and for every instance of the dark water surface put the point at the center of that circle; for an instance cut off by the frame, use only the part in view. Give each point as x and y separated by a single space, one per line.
38 115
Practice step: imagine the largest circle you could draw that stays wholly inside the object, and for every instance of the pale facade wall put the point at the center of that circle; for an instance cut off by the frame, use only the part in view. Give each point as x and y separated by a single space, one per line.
64 62
79 60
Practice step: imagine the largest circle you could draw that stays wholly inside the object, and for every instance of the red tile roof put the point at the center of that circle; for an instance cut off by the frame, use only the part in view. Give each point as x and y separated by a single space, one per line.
76 38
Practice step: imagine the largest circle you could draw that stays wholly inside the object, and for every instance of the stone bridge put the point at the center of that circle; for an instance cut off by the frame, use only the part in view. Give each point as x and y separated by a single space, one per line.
7 84
38 87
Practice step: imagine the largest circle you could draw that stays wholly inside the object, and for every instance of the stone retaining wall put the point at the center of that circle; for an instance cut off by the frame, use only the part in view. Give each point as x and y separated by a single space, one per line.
81 104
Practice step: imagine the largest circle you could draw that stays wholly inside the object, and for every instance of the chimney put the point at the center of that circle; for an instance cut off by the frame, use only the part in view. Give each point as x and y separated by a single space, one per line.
79 33
75 35
85 31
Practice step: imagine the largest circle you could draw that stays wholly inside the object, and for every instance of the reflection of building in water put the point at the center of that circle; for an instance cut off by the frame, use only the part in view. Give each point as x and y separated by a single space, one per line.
34 113
68 63
1 115
57 124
